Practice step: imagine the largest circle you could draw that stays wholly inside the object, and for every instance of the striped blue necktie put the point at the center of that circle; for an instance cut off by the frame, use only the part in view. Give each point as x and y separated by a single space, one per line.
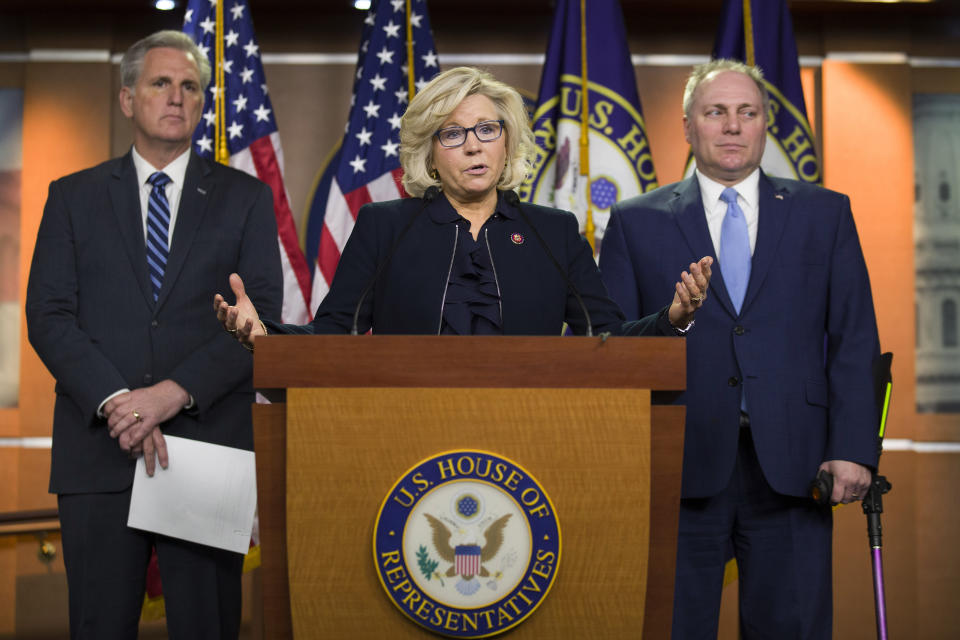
158 230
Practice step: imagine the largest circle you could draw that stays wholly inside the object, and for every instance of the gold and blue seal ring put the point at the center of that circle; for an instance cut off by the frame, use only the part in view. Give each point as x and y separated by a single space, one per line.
467 544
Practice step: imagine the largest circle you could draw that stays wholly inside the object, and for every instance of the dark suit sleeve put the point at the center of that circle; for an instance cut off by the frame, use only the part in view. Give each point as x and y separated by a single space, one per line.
616 267
852 347
355 271
81 369
274 327
617 273
605 315
217 367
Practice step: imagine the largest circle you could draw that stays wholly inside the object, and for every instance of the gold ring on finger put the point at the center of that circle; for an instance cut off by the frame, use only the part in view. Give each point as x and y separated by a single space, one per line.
136 414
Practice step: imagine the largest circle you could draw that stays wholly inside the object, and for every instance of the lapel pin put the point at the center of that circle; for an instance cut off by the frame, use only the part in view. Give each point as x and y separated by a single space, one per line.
202 191
778 196
516 238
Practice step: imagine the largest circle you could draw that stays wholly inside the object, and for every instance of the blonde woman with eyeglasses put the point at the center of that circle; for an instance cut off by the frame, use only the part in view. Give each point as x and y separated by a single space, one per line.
464 256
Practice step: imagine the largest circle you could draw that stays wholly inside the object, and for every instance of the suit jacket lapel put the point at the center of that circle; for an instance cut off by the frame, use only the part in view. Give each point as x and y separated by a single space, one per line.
125 198
775 204
197 191
690 217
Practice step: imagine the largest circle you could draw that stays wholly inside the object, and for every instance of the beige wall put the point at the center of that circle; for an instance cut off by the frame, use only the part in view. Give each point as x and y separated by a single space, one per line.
861 114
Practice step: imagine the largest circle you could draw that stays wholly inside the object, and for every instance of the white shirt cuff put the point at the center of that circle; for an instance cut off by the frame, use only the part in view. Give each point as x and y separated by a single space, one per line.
107 399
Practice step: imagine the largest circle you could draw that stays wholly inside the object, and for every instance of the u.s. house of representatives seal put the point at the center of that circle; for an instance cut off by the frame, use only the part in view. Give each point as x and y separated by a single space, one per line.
467 544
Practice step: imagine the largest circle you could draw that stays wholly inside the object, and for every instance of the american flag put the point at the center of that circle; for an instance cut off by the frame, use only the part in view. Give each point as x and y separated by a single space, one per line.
366 168
251 130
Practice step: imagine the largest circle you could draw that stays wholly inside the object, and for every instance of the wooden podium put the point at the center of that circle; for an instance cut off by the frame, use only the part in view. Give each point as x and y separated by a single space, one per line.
576 412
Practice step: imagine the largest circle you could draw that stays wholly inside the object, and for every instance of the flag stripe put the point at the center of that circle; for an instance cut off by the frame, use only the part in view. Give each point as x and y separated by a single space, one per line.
320 287
329 255
398 180
265 158
356 199
339 220
296 292
383 188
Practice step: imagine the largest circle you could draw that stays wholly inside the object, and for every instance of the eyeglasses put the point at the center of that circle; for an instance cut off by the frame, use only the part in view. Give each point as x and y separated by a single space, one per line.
486 131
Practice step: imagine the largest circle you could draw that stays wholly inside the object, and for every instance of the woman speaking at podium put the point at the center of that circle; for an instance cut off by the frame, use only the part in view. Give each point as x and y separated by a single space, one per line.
464 256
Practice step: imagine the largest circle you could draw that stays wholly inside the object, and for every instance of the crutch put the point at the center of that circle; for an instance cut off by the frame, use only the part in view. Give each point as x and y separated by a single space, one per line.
872 502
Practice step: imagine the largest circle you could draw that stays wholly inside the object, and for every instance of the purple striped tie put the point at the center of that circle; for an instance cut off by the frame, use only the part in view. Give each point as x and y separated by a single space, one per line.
158 229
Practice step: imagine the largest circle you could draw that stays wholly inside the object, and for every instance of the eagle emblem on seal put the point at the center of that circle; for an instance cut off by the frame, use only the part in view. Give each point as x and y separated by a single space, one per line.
467 559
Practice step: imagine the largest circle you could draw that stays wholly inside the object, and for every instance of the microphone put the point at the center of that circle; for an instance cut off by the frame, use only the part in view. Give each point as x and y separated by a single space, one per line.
428 196
512 198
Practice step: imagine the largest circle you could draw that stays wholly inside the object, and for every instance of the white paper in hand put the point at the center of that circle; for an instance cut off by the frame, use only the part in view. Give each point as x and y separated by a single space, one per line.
207 494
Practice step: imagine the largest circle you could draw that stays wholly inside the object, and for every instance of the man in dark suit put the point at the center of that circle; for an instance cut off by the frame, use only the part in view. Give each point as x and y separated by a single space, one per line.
778 366
127 257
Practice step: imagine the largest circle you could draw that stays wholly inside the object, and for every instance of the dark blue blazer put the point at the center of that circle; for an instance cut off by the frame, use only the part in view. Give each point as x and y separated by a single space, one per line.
92 319
802 346
408 296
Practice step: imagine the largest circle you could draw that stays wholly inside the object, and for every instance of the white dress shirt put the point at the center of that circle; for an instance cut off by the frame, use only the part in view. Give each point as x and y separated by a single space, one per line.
748 197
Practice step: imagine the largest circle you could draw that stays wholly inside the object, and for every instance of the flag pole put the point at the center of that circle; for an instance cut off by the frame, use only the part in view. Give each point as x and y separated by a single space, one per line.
411 85
221 154
589 228
748 34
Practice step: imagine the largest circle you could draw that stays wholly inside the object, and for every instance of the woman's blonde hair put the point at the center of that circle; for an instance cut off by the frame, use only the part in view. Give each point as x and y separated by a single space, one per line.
431 106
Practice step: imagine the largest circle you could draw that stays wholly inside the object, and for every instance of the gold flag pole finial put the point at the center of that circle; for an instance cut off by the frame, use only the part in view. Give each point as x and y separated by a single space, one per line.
589 228
412 86
220 154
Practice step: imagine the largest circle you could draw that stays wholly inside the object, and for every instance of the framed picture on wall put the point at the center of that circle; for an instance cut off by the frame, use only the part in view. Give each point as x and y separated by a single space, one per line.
936 128
11 134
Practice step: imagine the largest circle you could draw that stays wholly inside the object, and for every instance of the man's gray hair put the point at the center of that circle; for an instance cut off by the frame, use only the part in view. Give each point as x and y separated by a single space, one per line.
709 70
132 63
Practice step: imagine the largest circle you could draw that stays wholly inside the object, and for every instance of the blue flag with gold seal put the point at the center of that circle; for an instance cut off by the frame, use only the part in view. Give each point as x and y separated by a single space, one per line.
589 153
761 33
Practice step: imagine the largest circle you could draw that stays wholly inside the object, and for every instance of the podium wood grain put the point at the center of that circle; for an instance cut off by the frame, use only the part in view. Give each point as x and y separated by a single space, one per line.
270 444
589 449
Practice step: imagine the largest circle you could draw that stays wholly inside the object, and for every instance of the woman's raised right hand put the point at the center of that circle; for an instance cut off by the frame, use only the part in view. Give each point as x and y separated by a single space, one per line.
241 319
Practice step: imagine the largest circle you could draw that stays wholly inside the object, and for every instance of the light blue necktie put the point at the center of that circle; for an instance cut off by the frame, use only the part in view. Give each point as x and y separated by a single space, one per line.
734 249
158 229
